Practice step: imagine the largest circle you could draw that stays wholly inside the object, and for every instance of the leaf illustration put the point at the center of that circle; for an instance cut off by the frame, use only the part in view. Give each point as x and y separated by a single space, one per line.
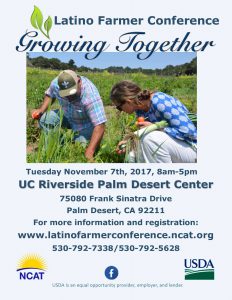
37 18
48 25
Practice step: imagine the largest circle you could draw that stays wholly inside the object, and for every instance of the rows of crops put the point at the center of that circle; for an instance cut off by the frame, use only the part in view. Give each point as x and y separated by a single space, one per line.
38 81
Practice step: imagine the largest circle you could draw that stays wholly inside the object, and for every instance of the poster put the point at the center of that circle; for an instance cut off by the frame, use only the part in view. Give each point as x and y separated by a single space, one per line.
109 228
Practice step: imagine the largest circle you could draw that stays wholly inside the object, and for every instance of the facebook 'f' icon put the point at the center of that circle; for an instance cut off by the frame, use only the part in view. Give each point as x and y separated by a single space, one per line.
111 272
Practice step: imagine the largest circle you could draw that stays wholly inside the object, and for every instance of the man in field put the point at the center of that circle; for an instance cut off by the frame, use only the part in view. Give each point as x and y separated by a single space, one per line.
82 108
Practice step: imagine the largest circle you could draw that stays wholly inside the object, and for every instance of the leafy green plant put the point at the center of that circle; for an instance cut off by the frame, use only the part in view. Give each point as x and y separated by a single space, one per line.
37 22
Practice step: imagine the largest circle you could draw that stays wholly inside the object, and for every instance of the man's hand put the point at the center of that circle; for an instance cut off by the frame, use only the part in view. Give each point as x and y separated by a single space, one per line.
36 113
95 141
89 153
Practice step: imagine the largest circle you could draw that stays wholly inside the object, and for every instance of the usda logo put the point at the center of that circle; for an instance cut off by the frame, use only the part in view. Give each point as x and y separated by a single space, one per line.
198 269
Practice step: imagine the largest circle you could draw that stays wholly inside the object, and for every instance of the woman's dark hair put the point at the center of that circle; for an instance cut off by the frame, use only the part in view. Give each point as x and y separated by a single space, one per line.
126 89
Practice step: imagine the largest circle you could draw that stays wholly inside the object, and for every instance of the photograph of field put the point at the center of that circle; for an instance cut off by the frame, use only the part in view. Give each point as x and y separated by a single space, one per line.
59 148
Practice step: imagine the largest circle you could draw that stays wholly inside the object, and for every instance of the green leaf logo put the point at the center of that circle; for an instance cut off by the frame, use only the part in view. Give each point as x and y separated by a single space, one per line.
37 22
48 25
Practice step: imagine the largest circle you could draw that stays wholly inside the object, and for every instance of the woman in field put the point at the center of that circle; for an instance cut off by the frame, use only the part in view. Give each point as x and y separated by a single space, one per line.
175 143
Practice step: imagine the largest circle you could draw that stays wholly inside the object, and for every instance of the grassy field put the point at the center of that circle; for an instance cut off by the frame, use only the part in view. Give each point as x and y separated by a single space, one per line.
38 80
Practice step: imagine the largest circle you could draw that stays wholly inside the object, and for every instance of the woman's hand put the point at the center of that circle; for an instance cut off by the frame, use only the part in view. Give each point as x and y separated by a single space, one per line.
120 147
143 124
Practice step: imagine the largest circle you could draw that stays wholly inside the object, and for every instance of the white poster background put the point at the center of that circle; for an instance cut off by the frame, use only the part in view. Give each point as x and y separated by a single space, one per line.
211 207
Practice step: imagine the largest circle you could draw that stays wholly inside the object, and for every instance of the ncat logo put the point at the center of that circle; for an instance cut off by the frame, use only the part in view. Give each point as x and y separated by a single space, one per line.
31 267
199 269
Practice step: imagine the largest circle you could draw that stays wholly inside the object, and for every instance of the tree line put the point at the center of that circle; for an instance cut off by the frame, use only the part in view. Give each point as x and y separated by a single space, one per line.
54 63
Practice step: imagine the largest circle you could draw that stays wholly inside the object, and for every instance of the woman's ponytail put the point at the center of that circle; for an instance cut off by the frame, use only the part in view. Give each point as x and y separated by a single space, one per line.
144 95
